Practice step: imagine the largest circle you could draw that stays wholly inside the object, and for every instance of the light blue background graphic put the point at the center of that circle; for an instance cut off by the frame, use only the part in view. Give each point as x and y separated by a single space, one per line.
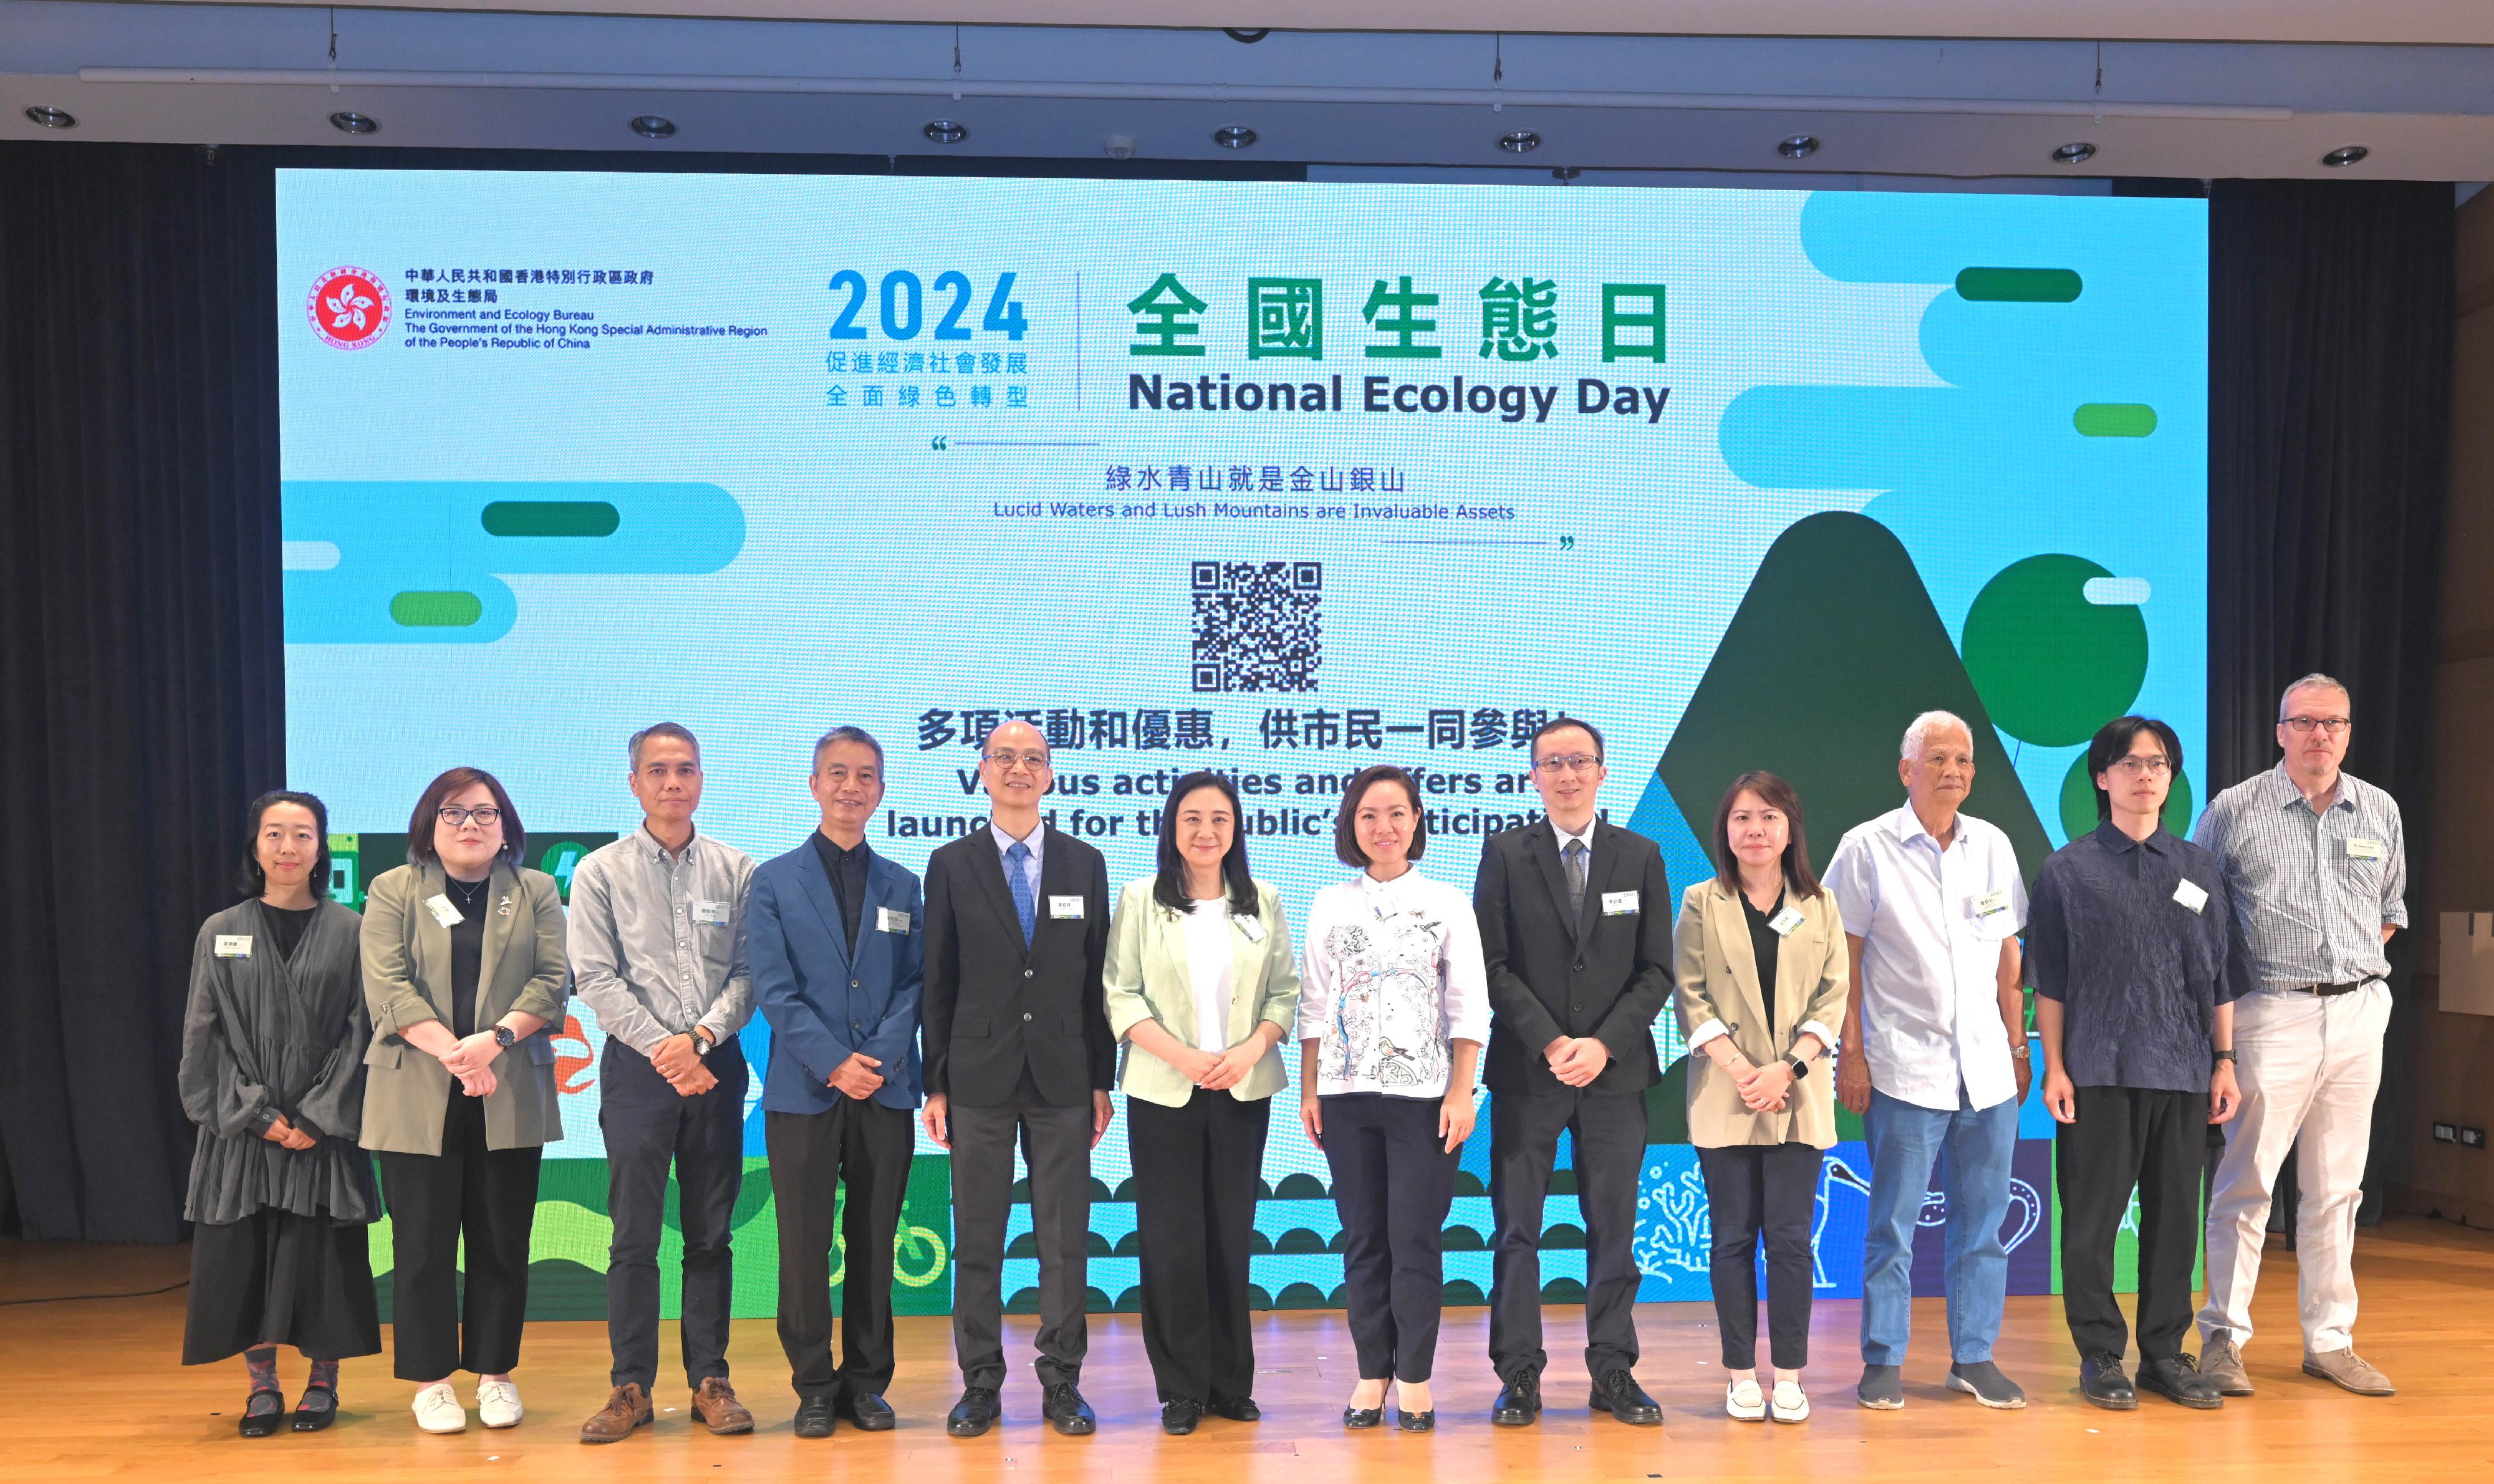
739 541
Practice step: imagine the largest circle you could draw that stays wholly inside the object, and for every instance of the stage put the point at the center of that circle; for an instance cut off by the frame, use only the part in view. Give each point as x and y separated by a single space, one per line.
98 1394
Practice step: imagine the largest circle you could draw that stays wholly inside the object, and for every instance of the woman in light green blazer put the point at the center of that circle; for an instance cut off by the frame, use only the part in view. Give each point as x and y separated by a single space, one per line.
1202 987
464 977
1762 977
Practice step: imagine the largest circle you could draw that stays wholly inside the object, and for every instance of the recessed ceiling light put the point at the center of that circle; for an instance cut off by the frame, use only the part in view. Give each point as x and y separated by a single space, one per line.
1235 137
1800 146
51 118
651 126
2345 154
1523 141
943 131
354 123
2075 153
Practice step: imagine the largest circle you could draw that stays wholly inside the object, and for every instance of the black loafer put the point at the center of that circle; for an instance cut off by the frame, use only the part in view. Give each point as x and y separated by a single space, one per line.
311 1415
974 1413
814 1417
1178 1418
1357 1418
1067 1411
1242 1410
2102 1383
1518 1403
869 1412
1416 1421
2177 1379
1618 1393
264 1424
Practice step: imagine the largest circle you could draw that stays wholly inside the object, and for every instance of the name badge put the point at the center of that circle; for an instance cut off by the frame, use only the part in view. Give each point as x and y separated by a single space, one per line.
1065 906
2191 895
2364 850
1619 903
1990 903
233 945
443 912
1784 922
890 919
1253 929
709 914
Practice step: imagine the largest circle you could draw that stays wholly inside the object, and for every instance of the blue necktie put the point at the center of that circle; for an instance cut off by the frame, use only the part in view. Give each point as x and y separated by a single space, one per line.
1024 904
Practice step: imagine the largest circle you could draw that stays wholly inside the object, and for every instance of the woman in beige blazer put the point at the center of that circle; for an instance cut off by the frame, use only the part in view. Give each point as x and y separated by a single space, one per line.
1202 985
463 972
1762 980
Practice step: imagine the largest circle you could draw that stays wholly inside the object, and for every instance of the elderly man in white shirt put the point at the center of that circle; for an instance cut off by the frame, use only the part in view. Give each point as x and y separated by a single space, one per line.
1934 1053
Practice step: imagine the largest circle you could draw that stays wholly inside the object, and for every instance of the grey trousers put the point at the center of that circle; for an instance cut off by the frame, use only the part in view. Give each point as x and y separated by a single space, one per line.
1057 1144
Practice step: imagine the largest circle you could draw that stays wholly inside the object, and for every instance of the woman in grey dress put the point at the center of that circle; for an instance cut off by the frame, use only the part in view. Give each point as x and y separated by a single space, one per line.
281 1195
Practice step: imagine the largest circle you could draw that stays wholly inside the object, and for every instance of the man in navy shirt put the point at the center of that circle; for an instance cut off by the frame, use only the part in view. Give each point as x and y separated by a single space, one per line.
2127 950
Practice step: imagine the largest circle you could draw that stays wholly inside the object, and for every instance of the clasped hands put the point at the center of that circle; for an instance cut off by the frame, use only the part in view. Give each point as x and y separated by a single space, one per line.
470 1059
1576 1060
1221 1071
679 1060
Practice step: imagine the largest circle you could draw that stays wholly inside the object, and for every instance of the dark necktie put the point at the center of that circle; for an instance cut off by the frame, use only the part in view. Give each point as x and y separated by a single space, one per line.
1575 854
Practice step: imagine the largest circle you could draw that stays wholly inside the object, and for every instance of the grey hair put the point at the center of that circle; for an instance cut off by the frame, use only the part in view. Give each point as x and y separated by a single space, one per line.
847 733
1924 725
2316 680
663 729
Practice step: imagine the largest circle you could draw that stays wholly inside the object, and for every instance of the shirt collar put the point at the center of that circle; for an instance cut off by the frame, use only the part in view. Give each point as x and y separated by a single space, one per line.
1908 825
2283 792
1374 886
1587 835
1006 841
2110 837
864 851
652 851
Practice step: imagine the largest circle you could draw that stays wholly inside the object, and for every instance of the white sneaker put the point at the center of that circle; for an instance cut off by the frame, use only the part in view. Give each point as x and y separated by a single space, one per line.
438 1409
1790 1404
498 1404
1744 1402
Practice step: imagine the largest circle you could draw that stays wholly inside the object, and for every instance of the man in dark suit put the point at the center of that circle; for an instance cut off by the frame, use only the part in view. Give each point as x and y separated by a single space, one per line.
836 938
1018 1044
1575 925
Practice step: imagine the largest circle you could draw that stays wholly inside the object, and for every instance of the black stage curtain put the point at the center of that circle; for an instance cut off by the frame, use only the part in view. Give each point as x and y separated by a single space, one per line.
2329 309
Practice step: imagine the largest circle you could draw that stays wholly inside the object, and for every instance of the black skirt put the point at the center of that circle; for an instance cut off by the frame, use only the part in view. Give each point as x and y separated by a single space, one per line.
276 1277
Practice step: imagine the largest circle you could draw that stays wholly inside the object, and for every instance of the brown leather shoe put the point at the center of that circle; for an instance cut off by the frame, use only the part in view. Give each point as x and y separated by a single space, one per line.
2350 1370
2221 1361
714 1403
627 1409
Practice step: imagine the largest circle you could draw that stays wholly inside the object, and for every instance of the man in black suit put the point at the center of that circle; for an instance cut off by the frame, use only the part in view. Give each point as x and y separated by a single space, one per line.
1018 1044
1575 925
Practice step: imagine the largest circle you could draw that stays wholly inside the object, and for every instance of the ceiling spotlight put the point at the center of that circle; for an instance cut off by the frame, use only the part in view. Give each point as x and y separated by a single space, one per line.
1235 136
1523 141
2078 153
943 131
1800 146
2345 154
354 123
651 126
51 118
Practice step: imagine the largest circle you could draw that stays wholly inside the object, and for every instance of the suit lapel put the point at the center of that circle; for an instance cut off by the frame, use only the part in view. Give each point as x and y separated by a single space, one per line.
503 886
986 863
431 940
1055 879
1246 973
827 903
1544 846
1731 924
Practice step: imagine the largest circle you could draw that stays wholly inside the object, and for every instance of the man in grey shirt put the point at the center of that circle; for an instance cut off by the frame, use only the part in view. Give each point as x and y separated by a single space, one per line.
657 951
2316 874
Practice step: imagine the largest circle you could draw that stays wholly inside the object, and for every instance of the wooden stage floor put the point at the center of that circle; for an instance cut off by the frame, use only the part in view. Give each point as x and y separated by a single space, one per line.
95 1393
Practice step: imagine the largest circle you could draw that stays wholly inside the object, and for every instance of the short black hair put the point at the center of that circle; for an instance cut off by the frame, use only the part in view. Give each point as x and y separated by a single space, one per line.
2113 743
1346 835
253 881
420 824
1168 887
1561 723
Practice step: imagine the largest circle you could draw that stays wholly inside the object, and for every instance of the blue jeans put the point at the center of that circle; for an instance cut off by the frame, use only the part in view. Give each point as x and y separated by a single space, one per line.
1972 1148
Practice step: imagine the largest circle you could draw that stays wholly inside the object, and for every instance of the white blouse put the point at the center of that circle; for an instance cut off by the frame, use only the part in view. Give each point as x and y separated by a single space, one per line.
1392 976
1208 966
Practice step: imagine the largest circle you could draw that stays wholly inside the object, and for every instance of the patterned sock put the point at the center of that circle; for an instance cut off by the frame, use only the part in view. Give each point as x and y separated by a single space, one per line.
263 1364
325 1373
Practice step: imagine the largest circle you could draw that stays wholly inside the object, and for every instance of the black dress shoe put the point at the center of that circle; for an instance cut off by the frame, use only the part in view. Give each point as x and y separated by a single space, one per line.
814 1417
317 1409
2177 1379
871 1414
1243 1409
263 1414
1178 1418
1357 1418
1618 1393
1067 1411
1518 1403
974 1413
1416 1421
2102 1383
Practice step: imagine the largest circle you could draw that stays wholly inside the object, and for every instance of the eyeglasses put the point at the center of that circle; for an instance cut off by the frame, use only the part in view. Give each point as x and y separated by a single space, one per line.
484 814
1574 762
1033 759
2156 767
2330 726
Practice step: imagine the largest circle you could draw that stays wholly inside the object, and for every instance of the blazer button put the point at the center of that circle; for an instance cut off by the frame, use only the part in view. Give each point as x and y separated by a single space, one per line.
1578 1007
1026 974
853 984
1026 1015
1580 966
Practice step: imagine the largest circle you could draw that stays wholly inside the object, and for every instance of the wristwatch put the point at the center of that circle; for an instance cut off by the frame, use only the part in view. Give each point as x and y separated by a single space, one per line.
2225 1055
504 1038
701 1041
1799 1068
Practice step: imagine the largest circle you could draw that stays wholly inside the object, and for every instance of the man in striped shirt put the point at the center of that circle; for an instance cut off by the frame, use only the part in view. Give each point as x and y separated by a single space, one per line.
2316 873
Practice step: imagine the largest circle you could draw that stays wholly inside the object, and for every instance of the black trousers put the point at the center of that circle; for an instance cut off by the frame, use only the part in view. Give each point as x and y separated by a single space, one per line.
2124 1138
864 1147
1609 1160
1056 1147
648 1126
1393 1181
1756 1191
489 1197
1195 1214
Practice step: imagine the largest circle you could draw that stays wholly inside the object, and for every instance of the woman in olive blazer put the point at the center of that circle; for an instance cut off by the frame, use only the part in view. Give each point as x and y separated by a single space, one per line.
1202 987
1761 1120
464 977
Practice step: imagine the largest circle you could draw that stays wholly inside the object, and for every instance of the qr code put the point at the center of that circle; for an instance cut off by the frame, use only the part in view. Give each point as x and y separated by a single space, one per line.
1259 625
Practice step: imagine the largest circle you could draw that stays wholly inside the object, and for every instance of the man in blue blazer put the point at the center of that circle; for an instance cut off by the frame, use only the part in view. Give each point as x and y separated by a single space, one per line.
836 943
